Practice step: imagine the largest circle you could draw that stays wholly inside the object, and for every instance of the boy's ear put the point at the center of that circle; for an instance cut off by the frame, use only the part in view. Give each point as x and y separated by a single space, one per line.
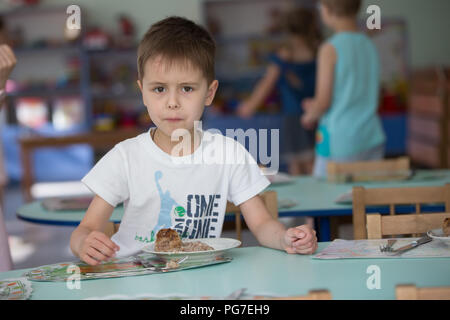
139 83
211 92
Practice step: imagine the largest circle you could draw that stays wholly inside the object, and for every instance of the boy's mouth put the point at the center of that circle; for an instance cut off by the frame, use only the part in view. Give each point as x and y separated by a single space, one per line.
173 119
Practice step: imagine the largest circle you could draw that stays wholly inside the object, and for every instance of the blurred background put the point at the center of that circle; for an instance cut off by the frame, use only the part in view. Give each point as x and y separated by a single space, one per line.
68 83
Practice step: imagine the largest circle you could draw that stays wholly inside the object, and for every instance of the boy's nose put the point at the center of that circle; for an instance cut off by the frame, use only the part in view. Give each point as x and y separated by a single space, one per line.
172 103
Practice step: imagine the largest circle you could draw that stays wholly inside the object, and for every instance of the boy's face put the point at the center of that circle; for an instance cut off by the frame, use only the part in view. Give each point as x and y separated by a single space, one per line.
175 94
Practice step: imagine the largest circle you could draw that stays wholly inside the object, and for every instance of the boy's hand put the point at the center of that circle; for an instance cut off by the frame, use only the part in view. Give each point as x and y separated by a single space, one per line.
300 240
309 120
308 104
97 247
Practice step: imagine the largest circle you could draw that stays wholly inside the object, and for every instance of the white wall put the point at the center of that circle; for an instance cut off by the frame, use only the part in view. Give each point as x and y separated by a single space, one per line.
428 24
428 21
144 12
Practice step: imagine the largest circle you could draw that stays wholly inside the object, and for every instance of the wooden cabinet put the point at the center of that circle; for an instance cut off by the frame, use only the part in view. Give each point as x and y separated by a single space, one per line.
428 141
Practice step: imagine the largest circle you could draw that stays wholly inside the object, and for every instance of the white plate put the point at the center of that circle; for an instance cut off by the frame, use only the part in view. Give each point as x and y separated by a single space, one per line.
220 245
438 234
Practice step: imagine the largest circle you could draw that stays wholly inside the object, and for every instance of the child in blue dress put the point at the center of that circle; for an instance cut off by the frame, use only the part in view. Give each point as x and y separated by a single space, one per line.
293 71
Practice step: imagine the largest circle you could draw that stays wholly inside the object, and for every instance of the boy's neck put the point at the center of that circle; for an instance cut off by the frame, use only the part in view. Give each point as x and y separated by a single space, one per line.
166 144
347 24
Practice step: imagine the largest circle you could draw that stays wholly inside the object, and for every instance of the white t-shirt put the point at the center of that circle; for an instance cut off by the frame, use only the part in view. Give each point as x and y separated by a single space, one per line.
188 194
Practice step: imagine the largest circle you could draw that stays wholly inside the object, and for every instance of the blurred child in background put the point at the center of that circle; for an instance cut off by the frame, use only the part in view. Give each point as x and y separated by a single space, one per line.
293 70
7 62
347 92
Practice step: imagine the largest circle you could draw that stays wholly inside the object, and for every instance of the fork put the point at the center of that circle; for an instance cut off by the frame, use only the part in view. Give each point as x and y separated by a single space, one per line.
388 247
147 266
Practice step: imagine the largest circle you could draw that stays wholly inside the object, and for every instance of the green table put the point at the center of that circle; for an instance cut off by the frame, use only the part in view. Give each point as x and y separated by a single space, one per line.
263 271
314 198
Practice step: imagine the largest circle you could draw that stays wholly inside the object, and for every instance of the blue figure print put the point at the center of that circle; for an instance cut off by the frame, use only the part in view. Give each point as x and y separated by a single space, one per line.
167 204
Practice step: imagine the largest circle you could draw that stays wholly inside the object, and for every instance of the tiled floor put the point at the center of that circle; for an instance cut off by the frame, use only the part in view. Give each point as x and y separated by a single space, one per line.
34 245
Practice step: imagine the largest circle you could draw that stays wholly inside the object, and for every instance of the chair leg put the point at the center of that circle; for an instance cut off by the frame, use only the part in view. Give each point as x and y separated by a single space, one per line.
334 228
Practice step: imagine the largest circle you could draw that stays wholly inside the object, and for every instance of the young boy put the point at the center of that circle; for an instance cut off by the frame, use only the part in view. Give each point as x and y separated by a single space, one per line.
162 185
347 90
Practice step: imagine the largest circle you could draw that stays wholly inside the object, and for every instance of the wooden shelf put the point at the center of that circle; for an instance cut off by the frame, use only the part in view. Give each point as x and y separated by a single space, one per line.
428 136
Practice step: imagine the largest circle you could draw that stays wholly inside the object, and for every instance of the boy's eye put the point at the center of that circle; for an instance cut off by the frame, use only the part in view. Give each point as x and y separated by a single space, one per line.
187 89
158 89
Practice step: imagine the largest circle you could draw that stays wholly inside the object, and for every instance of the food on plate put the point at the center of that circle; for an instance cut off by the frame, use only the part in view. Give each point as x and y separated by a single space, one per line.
195 246
446 227
168 240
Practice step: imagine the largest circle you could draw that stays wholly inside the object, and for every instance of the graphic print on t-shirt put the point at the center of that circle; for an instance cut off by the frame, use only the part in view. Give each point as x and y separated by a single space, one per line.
196 221
164 216
200 218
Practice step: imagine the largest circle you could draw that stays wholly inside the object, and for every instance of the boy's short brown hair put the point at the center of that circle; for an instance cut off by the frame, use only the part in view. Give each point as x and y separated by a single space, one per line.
343 8
178 39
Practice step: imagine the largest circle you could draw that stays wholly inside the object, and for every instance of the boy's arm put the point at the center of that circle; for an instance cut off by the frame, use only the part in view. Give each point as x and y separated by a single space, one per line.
272 233
88 240
262 89
316 107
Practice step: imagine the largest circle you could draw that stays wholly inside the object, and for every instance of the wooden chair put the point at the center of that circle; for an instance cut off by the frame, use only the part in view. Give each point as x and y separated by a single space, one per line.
312 295
381 170
363 197
271 202
411 292
379 226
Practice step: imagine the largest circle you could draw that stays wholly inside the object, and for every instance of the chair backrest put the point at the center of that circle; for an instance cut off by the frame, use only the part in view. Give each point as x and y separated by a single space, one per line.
312 295
391 197
379 226
389 169
411 292
270 200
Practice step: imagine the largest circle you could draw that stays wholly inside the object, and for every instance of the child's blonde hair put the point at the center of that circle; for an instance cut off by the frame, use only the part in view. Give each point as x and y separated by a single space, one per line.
304 22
